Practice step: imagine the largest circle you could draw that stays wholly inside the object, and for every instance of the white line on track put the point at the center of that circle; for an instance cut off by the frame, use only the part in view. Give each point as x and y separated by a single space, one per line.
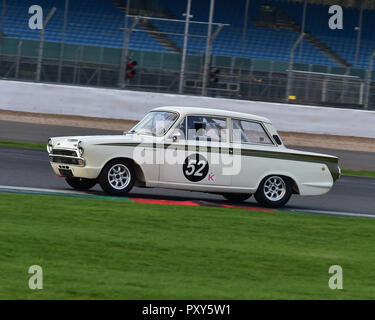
336 213
40 190
358 182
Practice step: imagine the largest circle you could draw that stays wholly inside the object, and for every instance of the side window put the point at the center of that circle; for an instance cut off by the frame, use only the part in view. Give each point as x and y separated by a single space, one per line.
249 132
207 128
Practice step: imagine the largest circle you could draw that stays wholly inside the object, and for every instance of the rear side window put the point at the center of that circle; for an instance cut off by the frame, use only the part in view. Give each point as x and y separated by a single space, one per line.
249 132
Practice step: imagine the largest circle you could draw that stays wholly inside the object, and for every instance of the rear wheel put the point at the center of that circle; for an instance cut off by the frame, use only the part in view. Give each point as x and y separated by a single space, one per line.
117 177
81 183
236 197
274 191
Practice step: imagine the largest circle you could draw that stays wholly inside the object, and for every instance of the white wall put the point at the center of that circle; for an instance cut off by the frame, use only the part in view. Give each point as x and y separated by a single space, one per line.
122 104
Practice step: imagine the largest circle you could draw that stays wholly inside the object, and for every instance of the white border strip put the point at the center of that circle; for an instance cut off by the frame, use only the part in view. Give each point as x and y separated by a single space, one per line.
335 213
2 188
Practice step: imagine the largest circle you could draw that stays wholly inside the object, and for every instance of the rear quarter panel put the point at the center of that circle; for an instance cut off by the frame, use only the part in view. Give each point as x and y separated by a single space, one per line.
311 178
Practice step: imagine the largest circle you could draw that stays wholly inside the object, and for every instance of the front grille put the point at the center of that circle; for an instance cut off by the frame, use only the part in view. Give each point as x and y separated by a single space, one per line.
64 160
64 152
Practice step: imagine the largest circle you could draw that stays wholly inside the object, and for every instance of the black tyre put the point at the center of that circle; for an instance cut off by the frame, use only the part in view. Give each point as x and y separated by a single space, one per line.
117 177
274 191
81 183
236 197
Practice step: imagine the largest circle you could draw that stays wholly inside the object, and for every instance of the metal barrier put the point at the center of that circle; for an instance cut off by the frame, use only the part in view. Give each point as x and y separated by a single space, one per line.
184 70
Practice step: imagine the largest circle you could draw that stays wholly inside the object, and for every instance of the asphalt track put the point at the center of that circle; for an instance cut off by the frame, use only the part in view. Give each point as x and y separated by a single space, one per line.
39 133
30 168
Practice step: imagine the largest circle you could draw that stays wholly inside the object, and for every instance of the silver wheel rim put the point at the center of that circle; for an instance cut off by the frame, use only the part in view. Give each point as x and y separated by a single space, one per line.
119 176
274 188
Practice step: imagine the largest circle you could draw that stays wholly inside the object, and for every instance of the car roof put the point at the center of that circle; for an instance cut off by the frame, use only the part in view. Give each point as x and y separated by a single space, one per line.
213 112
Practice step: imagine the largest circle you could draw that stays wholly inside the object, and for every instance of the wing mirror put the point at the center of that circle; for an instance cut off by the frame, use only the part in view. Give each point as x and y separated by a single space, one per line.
176 136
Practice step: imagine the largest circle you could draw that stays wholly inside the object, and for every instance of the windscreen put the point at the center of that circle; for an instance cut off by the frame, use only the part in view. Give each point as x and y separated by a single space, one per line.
156 123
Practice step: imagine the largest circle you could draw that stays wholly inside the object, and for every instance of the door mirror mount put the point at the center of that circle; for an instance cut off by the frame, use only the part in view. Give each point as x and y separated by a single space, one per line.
176 136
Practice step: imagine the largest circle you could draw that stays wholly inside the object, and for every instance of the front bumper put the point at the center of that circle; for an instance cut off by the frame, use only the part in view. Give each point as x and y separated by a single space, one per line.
69 166
75 171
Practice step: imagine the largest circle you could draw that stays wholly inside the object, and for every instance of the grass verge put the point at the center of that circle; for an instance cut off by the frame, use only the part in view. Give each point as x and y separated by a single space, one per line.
23 145
101 249
359 173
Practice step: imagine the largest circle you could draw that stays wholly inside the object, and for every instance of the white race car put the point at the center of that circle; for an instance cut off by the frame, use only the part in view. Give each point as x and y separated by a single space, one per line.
197 149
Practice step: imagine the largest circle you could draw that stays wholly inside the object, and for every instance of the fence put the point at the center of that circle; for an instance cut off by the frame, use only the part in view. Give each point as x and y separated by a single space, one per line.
98 57
238 78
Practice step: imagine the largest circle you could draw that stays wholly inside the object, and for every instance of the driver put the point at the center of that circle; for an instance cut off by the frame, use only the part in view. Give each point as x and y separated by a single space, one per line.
213 132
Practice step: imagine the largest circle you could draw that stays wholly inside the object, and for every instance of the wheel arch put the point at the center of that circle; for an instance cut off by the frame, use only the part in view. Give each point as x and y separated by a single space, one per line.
140 179
293 180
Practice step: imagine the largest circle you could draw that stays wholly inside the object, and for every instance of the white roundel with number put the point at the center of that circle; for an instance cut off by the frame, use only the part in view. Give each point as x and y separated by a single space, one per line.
195 167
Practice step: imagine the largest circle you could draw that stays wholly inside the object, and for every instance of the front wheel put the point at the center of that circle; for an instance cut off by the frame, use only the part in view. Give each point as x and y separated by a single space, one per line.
80 183
117 177
236 197
274 191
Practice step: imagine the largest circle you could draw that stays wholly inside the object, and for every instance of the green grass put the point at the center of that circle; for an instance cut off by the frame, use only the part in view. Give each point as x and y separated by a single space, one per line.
360 173
102 249
22 145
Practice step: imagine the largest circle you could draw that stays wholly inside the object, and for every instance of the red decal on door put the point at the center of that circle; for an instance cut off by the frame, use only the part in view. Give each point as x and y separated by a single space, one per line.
211 177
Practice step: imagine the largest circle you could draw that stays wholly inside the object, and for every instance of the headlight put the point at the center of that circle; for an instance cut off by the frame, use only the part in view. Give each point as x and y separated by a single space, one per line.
80 149
49 146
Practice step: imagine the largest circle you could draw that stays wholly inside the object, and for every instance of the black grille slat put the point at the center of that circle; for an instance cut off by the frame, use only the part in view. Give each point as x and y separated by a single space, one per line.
64 153
64 160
